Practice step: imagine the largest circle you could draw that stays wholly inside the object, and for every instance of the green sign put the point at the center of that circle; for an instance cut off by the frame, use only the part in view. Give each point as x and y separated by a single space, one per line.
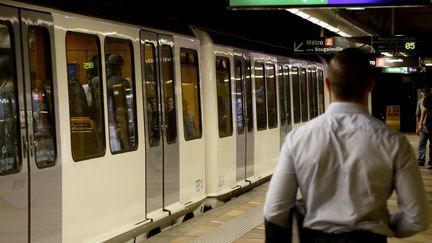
402 70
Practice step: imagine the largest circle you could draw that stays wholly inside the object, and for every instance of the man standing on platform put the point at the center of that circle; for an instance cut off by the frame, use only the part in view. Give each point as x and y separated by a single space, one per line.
420 132
346 164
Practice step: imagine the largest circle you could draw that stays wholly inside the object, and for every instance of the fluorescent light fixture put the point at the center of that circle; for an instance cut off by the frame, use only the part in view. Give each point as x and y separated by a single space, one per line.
303 15
386 54
428 64
314 20
343 34
293 10
403 54
355 8
323 24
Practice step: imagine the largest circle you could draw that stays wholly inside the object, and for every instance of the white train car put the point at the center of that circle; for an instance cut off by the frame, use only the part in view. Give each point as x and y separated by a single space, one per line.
82 166
111 131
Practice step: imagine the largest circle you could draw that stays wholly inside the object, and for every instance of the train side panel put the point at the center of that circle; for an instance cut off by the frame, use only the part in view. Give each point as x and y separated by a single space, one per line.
105 194
190 120
266 127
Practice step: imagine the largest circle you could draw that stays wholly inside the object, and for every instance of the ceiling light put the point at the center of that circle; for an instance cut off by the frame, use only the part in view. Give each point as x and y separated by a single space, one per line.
386 54
355 8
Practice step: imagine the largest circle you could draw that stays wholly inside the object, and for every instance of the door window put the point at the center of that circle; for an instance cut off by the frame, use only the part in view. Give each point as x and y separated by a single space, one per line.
10 161
42 96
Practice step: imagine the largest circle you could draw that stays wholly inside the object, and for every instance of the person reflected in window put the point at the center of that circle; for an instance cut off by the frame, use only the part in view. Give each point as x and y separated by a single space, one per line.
188 121
153 120
171 132
8 117
77 99
117 107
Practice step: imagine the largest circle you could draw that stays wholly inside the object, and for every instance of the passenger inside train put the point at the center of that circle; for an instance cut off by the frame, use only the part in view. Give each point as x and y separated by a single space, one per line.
117 107
8 117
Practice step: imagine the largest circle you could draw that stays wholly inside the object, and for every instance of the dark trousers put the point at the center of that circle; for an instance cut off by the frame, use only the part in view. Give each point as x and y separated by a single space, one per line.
314 236
275 234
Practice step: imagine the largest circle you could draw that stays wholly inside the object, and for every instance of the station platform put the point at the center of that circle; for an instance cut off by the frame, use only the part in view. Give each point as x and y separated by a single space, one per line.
240 220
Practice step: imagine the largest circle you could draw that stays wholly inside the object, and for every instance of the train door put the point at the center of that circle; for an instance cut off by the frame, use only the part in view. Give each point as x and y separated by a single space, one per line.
162 149
30 179
284 100
243 104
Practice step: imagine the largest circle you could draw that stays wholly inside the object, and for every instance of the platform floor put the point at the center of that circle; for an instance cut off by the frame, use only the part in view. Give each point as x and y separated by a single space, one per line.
241 221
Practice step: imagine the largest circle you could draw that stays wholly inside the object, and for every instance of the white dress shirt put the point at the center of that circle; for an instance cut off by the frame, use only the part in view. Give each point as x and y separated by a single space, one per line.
346 164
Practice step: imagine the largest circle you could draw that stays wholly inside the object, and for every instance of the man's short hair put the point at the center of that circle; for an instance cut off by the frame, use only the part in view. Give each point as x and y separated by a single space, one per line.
350 73
426 90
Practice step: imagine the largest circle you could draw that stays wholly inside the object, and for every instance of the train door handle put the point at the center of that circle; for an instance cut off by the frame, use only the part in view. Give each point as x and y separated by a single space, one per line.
26 146
32 144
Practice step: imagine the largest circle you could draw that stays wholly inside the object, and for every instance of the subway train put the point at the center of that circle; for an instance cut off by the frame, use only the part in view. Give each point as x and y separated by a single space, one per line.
110 132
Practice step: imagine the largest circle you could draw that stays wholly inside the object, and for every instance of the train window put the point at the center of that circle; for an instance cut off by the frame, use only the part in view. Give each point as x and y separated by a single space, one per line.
121 95
42 96
169 94
314 93
248 82
85 99
238 77
10 155
270 75
223 82
190 94
260 96
282 100
312 85
320 91
303 95
287 86
151 91
294 73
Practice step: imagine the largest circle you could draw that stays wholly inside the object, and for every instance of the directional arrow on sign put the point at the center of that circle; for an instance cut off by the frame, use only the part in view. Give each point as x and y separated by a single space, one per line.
297 47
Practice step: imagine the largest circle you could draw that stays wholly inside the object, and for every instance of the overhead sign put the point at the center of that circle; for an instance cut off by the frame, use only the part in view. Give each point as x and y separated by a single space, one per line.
397 44
399 70
397 62
329 45
321 3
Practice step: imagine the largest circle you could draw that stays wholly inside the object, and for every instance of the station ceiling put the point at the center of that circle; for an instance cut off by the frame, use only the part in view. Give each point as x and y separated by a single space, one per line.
277 27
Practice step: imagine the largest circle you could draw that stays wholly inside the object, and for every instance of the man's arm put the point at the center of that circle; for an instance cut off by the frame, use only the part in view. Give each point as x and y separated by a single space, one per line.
415 212
422 118
281 196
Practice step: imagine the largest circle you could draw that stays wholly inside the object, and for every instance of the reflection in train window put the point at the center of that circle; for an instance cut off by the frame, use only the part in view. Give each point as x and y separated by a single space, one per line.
312 85
85 99
282 100
296 93
223 84
10 155
238 78
248 82
320 91
42 97
270 75
190 94
287 86
303 95
167 76
120 81
151 91
260 96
